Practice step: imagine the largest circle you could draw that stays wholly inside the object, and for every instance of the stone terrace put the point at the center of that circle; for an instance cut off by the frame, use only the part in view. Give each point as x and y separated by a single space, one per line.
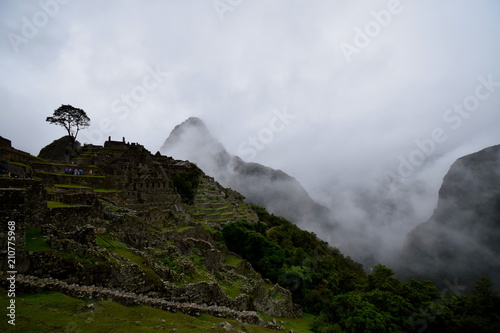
216 205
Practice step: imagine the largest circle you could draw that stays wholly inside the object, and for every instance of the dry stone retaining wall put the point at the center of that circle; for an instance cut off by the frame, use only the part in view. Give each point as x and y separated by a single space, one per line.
34 284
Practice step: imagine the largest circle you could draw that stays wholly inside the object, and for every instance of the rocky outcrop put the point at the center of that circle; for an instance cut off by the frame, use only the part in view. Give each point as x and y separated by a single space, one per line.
60 149
462 237
275 301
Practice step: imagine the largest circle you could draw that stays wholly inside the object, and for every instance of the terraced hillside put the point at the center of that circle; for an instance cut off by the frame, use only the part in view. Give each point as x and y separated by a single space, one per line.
123 231
217 206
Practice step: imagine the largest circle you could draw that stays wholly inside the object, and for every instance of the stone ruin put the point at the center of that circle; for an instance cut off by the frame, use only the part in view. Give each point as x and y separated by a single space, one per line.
129 204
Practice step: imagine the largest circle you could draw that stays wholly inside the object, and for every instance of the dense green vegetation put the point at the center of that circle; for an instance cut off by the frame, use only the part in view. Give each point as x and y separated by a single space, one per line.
346 299
187 183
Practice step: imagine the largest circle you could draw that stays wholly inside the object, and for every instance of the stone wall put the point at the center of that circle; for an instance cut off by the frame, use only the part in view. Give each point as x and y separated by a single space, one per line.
21 200
28 283
84 180
67 218
11 154
15 171
275 301
75 197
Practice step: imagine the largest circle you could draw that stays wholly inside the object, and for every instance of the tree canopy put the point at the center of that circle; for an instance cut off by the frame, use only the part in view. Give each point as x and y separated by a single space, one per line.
71 118
343 296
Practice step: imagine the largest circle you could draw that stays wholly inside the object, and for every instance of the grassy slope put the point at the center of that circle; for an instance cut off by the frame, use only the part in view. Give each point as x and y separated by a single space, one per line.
55 312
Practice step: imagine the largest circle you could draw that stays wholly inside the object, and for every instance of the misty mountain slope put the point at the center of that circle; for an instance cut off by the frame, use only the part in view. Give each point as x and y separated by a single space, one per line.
273 189
462 238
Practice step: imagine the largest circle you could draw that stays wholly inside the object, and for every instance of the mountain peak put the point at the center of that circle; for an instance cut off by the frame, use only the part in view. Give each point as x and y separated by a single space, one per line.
191 140
193 121
191 129
273 189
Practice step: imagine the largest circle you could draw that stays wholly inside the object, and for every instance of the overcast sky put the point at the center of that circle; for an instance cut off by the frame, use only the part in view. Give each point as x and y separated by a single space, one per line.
335 93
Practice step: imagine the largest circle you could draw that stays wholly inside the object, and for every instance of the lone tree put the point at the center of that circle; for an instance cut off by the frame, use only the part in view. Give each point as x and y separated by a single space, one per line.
72 119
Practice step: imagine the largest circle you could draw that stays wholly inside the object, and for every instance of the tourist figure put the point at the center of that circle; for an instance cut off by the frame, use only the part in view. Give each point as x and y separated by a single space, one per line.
76 172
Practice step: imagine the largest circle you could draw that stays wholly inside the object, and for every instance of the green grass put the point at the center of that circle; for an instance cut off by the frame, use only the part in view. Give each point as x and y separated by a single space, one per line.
210 229
35 240
197 214
52 163
232 260
107 242
66 175
232 290
200 275
220 208
56 204
302 324
55 312
18 164
181 229
172 264
198 261
106 190
213 214
70 186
